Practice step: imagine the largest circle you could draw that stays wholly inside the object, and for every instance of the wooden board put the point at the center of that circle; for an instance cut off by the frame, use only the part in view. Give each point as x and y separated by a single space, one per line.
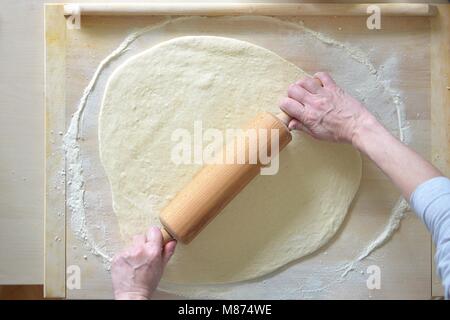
440 103
406 259
229 9
55 118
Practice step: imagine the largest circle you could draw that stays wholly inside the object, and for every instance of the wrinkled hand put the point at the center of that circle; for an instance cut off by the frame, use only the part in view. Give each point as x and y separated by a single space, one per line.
137 270
324 111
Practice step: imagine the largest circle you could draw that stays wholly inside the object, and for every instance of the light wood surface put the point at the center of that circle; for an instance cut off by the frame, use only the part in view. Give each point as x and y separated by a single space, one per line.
440 103
22 147
273 9
55 120
22 143
406 259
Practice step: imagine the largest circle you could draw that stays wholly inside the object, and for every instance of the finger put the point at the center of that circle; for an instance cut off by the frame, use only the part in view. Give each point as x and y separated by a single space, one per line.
168 250
154 237
294 124
139 239
292 107
325 78
312 85
300 94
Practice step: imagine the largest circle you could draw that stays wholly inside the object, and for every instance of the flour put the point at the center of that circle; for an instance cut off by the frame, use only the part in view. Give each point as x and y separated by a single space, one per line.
374 86
362 58
75 198
397 214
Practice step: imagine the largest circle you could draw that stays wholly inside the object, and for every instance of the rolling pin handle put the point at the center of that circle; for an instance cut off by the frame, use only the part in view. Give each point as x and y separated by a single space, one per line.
166 236
284 117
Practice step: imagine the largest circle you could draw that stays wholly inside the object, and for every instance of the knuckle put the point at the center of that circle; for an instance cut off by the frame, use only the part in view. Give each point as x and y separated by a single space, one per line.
304 80
292 88
285 101
295 92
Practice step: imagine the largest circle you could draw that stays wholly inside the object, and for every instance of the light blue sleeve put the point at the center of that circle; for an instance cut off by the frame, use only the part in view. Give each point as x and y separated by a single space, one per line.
431 202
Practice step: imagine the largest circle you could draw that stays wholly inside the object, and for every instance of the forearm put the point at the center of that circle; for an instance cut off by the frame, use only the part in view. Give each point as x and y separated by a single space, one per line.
328 113
402 165
413 175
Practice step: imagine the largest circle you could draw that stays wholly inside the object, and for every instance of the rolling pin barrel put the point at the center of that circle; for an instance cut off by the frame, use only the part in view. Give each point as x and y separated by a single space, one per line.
215 185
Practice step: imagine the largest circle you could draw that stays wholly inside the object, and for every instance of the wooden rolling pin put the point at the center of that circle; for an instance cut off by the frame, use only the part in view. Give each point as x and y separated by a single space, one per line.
217 184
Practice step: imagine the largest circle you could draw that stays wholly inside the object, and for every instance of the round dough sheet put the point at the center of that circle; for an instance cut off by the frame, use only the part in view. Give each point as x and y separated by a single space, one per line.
224 83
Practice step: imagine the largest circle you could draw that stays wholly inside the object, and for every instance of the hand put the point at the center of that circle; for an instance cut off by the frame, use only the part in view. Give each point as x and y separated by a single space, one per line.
324 111
137 270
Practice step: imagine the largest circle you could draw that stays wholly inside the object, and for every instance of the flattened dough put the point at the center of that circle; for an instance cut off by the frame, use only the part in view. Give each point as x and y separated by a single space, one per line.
225 83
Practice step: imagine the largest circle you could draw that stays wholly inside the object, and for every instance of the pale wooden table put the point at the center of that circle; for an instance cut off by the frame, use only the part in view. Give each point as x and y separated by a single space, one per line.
22 144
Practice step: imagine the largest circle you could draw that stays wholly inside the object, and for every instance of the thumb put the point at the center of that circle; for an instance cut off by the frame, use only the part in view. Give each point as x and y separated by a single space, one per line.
154 238
294 124
168 250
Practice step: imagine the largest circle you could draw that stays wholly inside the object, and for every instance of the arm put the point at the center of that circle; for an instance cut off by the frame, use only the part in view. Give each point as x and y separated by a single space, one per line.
136 271
401 164
328 113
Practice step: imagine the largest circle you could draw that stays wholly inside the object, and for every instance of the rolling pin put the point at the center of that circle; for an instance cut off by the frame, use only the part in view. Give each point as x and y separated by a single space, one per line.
215 185
202 199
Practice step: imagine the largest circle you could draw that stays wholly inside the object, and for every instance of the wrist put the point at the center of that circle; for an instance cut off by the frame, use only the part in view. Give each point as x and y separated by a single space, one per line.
367 127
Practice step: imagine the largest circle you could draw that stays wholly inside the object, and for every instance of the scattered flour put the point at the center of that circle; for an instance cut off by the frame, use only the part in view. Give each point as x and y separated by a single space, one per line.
397 214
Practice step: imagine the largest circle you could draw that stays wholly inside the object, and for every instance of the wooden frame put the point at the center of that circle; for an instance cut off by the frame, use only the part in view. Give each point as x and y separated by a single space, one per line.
272 9
440 103
55 118
55 115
